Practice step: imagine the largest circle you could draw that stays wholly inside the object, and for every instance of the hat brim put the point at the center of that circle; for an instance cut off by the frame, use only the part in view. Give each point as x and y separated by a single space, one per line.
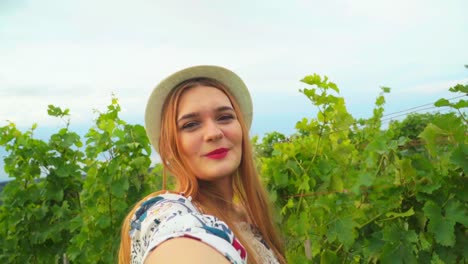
232 82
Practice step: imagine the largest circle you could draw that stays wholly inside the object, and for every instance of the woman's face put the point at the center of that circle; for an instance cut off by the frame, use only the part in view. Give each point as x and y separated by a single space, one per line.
209 133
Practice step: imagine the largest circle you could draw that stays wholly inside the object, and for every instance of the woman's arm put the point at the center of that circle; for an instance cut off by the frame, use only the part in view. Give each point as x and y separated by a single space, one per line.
185 250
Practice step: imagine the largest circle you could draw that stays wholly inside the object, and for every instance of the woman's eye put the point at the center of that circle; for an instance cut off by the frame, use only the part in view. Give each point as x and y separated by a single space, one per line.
189 125
226 118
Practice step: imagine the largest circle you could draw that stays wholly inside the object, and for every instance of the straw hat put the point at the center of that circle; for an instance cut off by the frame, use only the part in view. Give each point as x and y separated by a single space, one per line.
229 79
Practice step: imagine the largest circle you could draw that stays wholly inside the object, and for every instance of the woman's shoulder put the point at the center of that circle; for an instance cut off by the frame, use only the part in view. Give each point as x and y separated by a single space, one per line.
168 216
161 207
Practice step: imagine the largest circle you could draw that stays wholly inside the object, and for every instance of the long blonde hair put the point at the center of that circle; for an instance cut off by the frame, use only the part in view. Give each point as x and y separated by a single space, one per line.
248 190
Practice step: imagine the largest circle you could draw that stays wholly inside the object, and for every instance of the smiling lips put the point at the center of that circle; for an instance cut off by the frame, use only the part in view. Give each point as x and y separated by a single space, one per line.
217 153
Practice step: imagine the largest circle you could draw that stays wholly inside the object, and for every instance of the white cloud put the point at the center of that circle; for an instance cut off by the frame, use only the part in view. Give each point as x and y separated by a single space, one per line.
76 54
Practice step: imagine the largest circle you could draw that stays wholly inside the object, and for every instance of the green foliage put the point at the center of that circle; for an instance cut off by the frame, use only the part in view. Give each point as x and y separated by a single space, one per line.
350 192
50 211
412 125
43 196
346 190
117 169
460 104
265 148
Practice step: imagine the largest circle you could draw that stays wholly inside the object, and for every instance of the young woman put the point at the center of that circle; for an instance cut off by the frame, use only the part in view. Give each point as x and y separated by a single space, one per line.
198 120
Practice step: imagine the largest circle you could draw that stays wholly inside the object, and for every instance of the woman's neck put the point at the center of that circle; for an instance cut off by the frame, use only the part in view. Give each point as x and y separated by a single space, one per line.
224 186
217 198
220 190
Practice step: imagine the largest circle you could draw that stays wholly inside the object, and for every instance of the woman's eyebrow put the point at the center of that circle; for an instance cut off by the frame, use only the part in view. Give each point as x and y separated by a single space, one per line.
194 114
224 108
188 116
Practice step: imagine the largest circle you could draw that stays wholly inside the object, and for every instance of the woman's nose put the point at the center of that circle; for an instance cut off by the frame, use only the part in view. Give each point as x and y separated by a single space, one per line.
213 132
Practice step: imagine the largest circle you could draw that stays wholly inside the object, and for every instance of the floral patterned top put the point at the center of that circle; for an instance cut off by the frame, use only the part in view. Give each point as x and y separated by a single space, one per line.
169 216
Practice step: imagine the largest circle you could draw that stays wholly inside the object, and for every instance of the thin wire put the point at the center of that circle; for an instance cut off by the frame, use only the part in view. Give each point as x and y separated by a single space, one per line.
421 106
405 114
441 110
382 120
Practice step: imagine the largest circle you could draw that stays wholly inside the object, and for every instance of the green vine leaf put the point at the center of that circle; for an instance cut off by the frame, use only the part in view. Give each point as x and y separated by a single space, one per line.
343 230
442 226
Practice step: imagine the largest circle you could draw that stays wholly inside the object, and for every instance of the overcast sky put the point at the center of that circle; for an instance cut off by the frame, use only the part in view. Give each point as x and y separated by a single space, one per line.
75 54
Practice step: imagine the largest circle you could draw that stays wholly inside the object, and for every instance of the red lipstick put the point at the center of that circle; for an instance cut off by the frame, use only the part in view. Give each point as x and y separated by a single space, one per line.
218 153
